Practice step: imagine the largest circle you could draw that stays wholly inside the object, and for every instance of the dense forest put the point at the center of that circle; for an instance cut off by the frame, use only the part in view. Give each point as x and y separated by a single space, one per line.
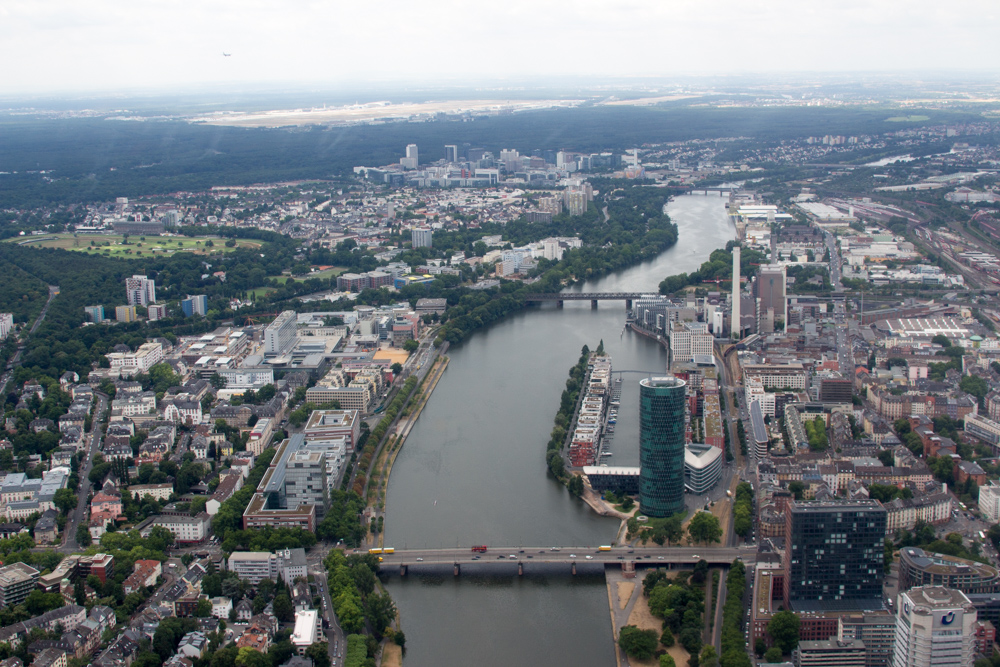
88 160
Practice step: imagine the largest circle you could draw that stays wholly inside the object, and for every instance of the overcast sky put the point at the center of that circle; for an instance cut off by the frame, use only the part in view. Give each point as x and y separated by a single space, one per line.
117 45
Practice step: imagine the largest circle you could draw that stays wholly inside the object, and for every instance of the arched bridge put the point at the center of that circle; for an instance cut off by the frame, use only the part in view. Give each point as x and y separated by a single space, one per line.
593 297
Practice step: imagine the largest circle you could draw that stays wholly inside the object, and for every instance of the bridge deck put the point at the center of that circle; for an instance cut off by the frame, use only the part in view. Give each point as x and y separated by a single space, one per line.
569 555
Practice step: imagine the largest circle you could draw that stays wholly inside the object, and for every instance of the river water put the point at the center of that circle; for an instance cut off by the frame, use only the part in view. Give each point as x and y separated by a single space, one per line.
472 471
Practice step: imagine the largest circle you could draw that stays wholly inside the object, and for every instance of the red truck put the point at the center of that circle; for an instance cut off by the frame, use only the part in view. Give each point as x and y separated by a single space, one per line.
481 549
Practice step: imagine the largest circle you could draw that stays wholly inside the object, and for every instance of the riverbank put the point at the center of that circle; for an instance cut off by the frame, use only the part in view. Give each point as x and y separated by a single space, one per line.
403 428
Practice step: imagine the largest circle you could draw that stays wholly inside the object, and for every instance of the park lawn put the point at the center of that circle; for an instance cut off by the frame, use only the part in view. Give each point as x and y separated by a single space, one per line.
137 247
258 292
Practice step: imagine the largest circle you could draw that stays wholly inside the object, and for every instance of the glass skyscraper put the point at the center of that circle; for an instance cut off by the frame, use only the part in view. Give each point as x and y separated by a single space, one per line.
661 446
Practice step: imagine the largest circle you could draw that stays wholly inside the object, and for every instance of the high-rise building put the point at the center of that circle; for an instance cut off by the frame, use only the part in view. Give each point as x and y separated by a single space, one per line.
125 313
934 626
661 446
195 305
411 161
834 554
6 324
576 202
156 311
451 153
734 325
95 313
280 334
422 237
769 291
140 290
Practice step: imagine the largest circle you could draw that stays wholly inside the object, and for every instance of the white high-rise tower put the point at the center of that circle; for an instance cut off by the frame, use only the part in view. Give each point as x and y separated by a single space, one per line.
735 325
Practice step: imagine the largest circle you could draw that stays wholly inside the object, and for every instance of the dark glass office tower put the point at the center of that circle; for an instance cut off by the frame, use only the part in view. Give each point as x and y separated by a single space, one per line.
834 552
661 446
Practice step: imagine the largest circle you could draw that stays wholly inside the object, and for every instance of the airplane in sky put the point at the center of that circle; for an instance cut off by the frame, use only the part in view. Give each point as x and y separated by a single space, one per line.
226 54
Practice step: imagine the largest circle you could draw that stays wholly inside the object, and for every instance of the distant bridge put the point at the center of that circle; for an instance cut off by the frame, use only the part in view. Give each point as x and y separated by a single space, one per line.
568 557
593 297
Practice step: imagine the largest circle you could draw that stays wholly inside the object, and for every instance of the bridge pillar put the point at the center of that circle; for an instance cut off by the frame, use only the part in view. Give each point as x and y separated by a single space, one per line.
559 303
628 304
520 569
593 304
573 569
458 569
403 570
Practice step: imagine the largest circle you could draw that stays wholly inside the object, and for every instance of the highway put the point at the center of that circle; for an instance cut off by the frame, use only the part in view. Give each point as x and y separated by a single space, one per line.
715 555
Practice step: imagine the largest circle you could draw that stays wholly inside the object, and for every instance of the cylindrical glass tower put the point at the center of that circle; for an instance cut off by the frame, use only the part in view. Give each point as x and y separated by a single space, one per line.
661 446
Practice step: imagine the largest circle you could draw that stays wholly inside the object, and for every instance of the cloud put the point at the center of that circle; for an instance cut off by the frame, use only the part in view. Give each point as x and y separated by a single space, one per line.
115 44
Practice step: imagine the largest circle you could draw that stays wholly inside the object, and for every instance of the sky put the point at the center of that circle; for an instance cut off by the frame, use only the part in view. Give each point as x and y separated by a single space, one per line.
54 46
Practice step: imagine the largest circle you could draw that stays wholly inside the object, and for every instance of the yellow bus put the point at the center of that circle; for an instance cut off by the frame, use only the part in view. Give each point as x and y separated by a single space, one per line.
605 547
375 551
388 550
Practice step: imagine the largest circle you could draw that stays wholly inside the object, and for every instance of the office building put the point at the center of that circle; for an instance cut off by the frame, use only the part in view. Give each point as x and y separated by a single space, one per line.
125 313
140 290
451 153
835 390
769 292
934 627
702 467
876 630
195 305
734 324
254 566
989 500
6 324
16 581
421 237
279 335
661 446
95 313
411 161
834 554
923 568
831 652
306 479
307 630
689 340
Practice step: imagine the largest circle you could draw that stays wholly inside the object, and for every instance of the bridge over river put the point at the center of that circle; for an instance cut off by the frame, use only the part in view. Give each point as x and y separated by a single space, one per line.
568 557
593 297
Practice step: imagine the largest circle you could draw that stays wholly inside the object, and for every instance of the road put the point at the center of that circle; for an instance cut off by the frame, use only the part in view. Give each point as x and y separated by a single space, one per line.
335 636
16 359
567 555
83 491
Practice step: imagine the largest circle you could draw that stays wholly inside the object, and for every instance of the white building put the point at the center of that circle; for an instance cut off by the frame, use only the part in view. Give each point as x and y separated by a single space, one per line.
279 335
221 607
139 361
422 237
934 627
184 528
140 290
306 631
6 324
688 340
989 501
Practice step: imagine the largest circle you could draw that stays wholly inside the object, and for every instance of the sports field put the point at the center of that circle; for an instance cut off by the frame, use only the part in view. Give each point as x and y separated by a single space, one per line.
112 245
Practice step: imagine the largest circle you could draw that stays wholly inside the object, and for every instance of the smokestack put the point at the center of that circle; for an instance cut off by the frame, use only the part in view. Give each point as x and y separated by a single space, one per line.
734 327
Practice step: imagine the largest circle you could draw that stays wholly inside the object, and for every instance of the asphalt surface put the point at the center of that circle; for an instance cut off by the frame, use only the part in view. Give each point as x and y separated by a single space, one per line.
83 491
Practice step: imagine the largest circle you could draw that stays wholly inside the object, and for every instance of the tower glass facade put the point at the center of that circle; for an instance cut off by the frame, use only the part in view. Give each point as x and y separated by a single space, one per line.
833 551
661 446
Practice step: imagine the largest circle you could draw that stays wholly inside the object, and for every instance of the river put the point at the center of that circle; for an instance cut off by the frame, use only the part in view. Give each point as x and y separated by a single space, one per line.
472 472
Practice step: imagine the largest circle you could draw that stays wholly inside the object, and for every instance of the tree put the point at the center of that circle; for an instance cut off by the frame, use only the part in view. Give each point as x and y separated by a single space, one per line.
941 340
83 535
708 657
784 630
204 608
396 368
760 647
704 528
65 500
248 657
410 345
797 488
773 655
284 611
319 653
666 660
637 643
575 485
667 638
